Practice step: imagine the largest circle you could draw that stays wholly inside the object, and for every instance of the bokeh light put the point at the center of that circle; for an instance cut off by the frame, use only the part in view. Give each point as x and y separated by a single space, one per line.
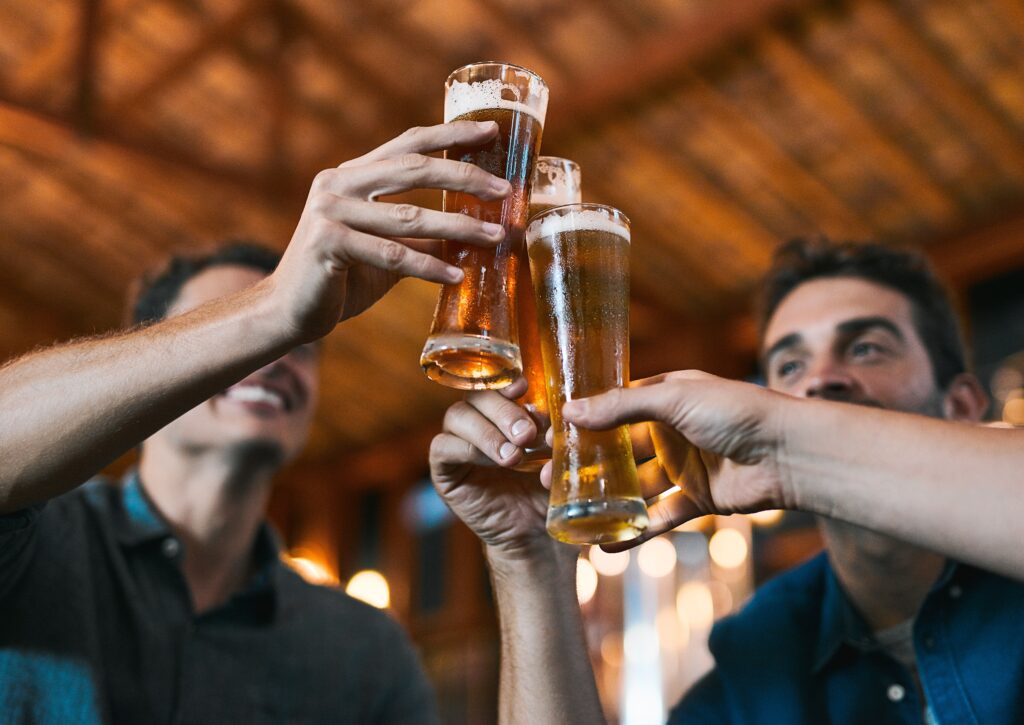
608 564
767 518
586 580
371 587
657 557
728 548
695 606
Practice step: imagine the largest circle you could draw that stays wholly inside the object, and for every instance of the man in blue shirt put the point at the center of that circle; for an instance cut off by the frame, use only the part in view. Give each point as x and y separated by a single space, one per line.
874 630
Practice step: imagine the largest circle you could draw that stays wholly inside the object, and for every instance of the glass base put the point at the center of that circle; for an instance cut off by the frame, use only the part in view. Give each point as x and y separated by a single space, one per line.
471 362
599 521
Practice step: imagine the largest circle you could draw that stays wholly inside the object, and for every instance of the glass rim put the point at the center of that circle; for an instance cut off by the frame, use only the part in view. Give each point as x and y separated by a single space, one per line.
561 158
502 63
581 205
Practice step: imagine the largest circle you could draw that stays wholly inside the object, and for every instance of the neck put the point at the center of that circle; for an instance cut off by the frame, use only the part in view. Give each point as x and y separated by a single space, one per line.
214 502
887 580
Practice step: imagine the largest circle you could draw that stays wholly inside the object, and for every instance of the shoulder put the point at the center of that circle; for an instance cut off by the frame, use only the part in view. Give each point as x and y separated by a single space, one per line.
785 610
330 604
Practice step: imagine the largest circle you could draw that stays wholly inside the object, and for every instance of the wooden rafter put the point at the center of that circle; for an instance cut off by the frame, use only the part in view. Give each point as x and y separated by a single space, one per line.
806 78
982 252
210 40
808 191
624 84
88 48
1004 147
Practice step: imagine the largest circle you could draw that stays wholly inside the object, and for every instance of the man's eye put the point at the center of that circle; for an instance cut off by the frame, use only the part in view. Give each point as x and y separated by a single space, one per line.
864 349
787 368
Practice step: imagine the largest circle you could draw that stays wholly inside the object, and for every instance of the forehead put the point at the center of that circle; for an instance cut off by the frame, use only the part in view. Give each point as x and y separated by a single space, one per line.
817 307
214 282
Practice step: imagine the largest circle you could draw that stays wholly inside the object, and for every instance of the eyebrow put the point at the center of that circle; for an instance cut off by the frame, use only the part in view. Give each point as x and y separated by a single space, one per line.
858 325
849 328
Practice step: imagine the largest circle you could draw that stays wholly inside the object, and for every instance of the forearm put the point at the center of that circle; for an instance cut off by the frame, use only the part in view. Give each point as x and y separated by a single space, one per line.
546 675
950 487
68 411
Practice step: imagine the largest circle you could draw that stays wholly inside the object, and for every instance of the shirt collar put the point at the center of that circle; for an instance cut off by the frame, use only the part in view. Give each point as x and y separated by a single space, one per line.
139 522
841 624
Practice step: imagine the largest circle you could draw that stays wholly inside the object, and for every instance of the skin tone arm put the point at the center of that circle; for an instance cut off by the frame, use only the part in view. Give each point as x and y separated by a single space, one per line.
545 669
949 487
67 411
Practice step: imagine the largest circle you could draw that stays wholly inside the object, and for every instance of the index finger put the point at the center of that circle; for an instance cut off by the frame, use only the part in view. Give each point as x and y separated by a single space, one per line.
428 139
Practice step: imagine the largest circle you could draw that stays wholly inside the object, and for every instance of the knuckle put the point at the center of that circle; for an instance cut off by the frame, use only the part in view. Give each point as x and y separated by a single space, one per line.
413 133
393 254
454 413
406 214
412 162
323 179
467 172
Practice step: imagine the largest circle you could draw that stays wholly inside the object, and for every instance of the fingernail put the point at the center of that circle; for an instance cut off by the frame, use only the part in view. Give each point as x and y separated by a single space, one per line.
486 125
519 427
493 230
454 274
500 186
507 450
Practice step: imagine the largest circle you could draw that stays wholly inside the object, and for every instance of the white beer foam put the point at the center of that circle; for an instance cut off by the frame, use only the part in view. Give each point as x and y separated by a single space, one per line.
553 199
587 220
463 98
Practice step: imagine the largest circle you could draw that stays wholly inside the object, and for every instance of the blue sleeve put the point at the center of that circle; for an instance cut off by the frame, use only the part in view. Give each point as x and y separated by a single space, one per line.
705 702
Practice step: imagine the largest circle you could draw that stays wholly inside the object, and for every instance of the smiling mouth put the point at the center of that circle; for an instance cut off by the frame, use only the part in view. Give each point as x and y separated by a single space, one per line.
250 393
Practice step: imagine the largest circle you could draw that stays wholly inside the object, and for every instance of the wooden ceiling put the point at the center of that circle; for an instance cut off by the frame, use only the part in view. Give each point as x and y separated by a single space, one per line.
132 128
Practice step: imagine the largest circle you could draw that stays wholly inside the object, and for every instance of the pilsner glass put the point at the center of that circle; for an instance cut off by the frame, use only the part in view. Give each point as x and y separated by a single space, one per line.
473 341
579 260
555 182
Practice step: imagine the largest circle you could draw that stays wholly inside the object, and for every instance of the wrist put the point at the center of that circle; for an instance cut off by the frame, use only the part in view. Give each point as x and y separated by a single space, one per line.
548 558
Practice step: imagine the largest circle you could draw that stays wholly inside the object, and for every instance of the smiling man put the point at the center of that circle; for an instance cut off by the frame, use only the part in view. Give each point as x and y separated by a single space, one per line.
163 600
873 630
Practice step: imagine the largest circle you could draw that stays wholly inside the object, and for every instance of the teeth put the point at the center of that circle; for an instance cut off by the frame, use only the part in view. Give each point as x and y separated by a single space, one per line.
255 394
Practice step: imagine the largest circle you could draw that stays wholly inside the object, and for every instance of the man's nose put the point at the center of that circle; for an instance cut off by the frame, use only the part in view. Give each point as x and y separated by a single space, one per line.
829 381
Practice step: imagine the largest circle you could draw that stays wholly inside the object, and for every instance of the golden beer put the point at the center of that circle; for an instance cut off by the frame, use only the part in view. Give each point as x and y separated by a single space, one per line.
473 342
579 260
556 181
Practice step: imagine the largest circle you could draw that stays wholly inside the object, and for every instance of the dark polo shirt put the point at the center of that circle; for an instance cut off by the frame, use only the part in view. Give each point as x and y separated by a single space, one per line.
97 626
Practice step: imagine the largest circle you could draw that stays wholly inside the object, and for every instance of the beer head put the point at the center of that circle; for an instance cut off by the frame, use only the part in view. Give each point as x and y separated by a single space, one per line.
577 218
481 86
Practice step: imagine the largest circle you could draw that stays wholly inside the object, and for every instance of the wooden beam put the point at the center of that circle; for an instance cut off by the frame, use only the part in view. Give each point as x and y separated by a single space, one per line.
623 84
211 39
85 70
1003 145
807 79
32 127
978 254
803 189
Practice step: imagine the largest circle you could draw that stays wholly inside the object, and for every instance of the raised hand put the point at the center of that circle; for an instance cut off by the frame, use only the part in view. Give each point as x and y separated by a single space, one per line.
349 249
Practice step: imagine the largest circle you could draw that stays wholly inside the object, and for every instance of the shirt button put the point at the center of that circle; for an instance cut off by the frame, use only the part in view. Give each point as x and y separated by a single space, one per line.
955 591
170 548
895 693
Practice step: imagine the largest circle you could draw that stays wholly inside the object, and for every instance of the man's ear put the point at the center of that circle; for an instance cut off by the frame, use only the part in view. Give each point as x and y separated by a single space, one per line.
965 399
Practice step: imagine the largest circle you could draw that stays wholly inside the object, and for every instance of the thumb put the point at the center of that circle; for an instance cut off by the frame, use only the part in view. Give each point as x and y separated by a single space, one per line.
624 405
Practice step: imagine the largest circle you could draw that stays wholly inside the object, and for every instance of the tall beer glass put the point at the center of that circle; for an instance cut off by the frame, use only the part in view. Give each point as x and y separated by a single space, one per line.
473 342
579 259
555 182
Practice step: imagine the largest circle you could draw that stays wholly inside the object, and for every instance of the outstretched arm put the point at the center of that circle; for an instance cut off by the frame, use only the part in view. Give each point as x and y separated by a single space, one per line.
545 669
955 488
67 411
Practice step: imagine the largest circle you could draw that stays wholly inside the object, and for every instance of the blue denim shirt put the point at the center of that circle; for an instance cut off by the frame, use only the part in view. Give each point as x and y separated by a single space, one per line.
800 654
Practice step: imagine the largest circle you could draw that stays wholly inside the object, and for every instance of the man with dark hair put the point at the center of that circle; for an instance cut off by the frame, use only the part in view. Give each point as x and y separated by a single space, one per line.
164 600
874 630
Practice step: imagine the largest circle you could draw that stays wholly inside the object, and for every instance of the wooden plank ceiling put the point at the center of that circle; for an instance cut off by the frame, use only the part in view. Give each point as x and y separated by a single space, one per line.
130 128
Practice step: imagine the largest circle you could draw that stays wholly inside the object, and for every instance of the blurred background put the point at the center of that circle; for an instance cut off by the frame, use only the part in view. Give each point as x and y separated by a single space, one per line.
131 129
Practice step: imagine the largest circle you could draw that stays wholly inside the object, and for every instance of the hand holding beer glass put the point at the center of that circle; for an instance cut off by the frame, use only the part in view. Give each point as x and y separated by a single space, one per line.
473 342
579 261
555 182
